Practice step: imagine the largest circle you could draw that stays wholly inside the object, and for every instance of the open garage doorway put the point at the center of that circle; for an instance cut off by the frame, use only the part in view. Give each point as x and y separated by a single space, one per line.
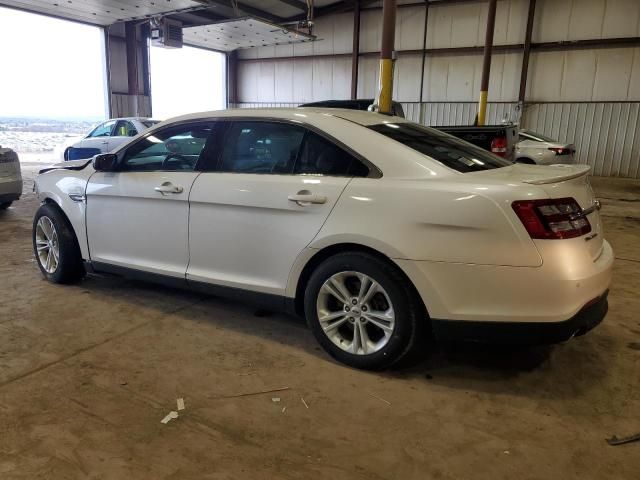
186 80
52 85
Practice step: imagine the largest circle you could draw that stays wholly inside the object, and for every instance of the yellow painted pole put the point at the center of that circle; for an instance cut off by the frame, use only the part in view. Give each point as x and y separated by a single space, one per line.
385 91
482 107
486 62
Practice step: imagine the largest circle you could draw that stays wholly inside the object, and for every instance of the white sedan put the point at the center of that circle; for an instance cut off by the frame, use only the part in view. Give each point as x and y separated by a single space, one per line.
373 227
534 148
108 136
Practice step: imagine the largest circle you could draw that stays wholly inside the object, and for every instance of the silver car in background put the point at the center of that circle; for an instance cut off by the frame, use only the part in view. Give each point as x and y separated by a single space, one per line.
108 136
538 149
10 178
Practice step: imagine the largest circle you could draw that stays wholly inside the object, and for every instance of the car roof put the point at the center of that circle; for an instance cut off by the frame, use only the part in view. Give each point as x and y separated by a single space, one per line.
301 114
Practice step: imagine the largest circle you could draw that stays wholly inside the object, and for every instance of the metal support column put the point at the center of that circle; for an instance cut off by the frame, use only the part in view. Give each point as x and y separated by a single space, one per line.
386 56
525 53
232 79
424 58
355 51
486 62
132 57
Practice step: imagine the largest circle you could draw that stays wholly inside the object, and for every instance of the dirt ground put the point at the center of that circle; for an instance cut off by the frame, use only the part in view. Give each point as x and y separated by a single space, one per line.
88 371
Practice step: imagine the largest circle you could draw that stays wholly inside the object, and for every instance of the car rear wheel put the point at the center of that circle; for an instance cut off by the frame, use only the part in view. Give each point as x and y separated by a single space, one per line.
55 246
5 205
363 311
525 160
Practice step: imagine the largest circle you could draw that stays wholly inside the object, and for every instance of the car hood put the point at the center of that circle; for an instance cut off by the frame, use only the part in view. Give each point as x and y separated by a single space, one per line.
68 165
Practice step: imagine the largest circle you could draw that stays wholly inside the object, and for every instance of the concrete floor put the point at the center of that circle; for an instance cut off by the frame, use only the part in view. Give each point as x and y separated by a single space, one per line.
88 371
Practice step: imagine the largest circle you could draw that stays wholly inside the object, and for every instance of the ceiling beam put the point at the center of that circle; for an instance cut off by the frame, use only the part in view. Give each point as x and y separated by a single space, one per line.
299 4
226 8
337 7
197 18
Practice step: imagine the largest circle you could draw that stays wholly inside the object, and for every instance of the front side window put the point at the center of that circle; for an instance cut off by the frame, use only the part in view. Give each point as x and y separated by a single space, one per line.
319 156
261 147
103 130
125 129
446 149
172 149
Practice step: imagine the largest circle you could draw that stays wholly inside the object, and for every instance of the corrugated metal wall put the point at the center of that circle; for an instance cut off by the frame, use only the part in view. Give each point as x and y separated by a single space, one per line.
601 84
606 134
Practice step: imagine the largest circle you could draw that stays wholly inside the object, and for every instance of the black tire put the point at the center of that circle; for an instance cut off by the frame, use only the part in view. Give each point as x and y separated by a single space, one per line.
69 267
5 205
525 160
410 316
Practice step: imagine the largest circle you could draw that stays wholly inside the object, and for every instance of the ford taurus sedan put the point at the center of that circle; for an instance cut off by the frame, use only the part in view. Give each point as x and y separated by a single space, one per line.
374 228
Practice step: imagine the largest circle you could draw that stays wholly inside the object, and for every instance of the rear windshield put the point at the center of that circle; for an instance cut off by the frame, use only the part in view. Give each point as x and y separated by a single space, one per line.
446 149
537 136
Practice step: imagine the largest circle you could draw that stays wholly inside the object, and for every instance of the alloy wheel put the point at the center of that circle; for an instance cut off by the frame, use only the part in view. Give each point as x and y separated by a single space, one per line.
47 246
355 312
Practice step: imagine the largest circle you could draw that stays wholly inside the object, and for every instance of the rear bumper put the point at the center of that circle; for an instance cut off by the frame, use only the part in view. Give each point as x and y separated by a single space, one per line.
10 190
552 293
523 333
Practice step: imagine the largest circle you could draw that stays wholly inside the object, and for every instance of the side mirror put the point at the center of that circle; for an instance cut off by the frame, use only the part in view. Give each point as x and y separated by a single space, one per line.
105 162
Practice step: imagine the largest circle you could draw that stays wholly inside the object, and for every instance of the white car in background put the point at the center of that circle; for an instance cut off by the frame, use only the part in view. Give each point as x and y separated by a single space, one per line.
10 178
108 136
372 227
538 149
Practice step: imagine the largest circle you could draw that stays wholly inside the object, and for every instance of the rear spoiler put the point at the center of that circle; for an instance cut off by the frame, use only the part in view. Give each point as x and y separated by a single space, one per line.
572 171
68 165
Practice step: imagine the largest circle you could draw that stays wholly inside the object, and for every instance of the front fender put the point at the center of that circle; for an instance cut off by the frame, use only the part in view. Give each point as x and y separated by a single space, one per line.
62 187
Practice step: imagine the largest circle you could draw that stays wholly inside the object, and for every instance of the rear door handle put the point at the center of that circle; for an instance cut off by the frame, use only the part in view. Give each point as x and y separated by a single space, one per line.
168 187
303 199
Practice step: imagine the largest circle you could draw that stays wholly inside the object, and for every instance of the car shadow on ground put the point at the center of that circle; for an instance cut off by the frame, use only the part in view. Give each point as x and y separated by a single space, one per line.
523 371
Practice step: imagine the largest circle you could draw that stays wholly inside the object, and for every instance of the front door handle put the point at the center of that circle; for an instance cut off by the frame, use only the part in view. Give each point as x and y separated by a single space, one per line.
168 187
305 198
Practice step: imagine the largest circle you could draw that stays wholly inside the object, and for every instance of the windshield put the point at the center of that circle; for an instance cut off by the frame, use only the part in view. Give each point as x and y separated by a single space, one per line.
149 123
537 136
446 149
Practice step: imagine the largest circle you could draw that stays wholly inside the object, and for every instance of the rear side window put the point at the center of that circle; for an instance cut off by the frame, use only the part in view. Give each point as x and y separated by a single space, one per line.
319 156
446 149
261 147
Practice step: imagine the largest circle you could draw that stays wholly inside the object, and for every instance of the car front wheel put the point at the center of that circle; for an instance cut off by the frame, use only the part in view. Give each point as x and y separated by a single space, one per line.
55 246
363 311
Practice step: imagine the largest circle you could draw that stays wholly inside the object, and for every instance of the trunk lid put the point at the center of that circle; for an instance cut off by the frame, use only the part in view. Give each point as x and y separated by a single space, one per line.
577 186
557 181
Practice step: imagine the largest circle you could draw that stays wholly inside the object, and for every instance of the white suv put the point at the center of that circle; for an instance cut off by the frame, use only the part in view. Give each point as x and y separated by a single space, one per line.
10 178
372 227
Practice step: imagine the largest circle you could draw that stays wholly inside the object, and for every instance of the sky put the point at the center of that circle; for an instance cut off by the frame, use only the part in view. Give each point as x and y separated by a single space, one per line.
55 69
50 68
186 80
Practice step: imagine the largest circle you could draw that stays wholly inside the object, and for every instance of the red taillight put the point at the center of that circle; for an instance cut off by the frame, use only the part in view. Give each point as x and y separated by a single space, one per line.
552 219
561 151
499 146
